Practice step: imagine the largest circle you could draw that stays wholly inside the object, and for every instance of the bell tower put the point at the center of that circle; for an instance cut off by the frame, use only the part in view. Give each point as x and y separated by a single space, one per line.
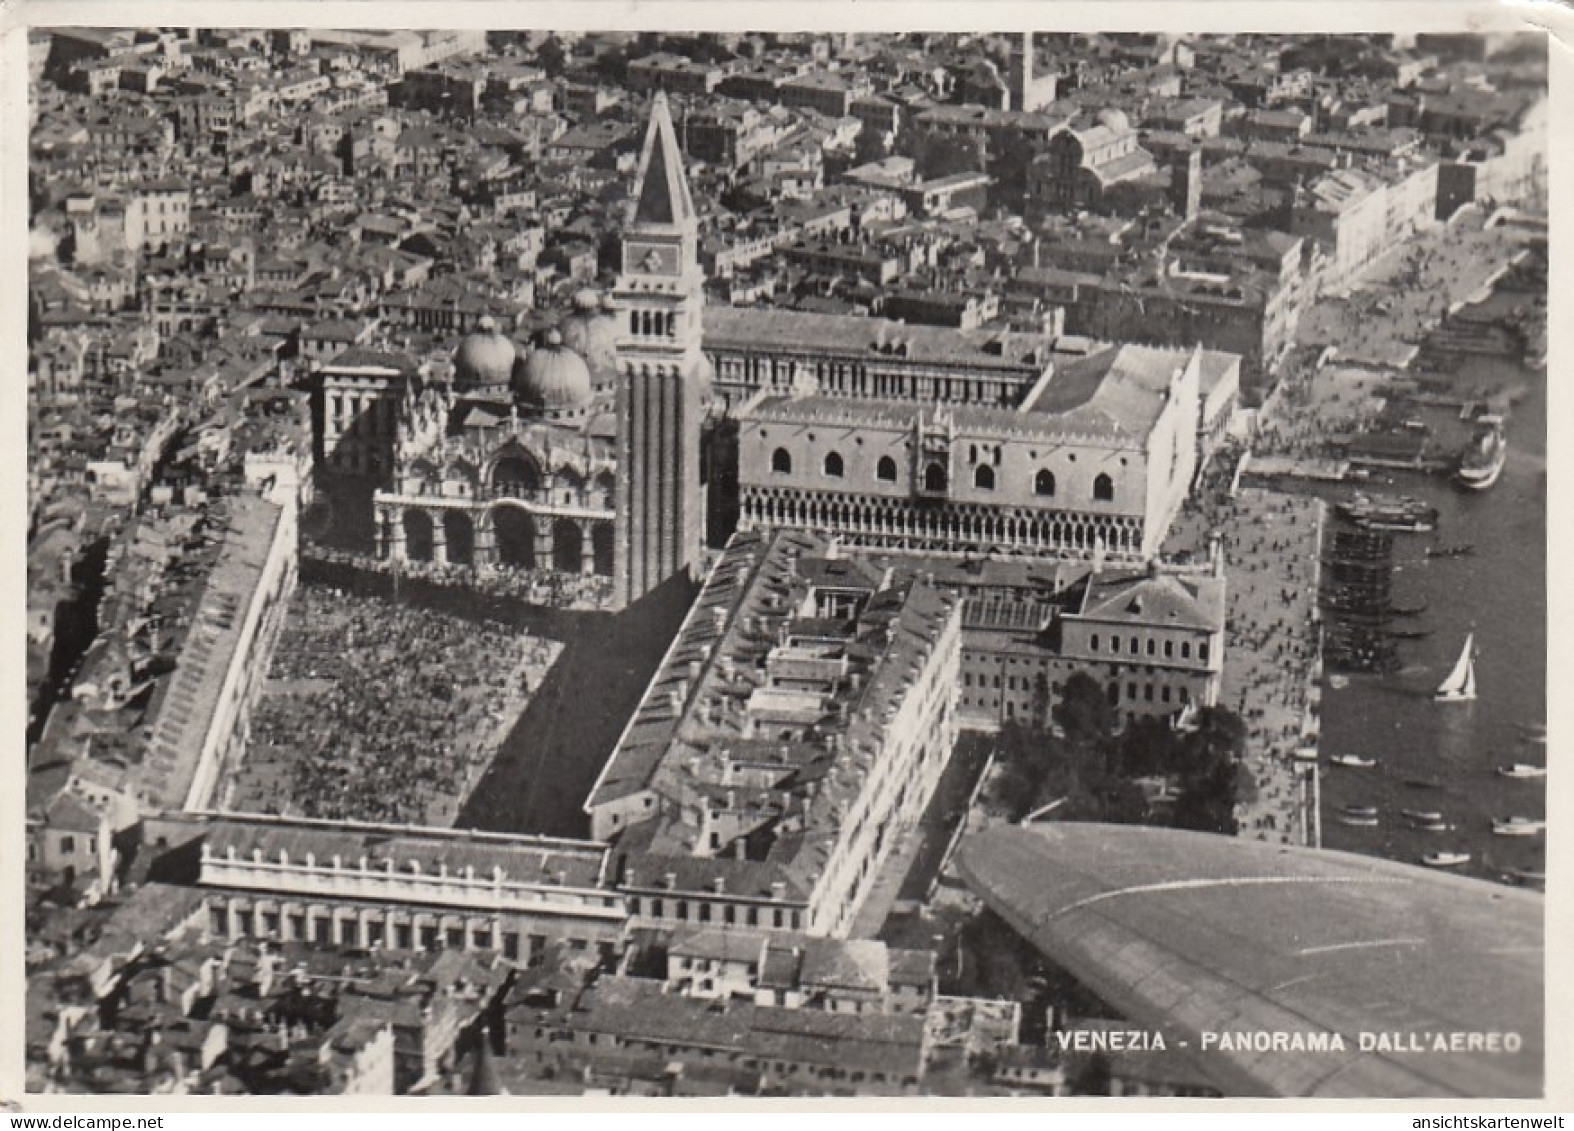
660 301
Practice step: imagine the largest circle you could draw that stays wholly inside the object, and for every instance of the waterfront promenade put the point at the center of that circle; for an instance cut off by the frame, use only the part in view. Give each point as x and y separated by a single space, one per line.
1371 332
1272 664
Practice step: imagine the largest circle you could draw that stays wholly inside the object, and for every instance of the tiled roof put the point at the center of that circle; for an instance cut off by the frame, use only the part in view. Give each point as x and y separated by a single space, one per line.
1165 600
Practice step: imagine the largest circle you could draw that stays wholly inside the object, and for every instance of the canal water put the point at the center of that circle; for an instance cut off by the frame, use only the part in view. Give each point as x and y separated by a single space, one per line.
1443 756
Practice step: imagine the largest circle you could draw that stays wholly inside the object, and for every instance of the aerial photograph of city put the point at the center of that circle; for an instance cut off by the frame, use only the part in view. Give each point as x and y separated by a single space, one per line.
702 563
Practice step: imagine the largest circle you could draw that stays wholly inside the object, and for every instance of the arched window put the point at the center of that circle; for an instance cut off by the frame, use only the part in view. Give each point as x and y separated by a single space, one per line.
1104 489
984 477
934 477
833 465
886 469
1044 483
781 461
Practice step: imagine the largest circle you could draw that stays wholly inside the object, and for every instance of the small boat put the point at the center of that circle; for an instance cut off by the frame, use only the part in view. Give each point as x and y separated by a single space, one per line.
1517 826
1460 686
1522 770
1354 761
1356 821
1409 633
1451 551
1435 827
1526 875
1532 730
1359 810
1445 859
1408 610
1338 682
1422 816
1533 739
1423 783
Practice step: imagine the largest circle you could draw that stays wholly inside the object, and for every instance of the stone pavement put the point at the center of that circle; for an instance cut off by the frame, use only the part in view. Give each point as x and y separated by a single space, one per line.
1272 663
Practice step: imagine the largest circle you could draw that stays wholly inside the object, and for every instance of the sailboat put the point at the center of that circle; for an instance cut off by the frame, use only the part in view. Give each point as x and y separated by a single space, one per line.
1460 685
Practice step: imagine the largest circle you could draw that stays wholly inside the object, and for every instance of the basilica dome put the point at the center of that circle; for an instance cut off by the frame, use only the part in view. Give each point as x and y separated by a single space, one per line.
592 332
552 376
485 359
1115 121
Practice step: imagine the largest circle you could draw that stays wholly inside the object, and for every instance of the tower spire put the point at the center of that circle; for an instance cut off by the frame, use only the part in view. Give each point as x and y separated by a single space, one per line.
661 191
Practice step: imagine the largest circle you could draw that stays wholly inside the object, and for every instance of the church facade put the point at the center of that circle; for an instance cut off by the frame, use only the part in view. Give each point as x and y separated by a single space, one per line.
580 454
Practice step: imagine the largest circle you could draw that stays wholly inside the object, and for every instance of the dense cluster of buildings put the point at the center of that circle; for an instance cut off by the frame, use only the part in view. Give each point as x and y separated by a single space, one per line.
906 350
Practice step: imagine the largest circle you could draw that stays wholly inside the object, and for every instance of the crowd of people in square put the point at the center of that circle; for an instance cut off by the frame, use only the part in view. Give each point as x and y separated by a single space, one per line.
378 711
547 587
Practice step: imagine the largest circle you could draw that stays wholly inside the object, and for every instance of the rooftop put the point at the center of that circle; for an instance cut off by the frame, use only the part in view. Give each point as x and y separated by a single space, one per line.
1156 599
753 329
520 859
194 692
761 722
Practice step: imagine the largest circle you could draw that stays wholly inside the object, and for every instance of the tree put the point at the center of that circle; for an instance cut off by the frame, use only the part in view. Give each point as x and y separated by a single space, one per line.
1211 776
551 56
1207 800
1083 711
1149 745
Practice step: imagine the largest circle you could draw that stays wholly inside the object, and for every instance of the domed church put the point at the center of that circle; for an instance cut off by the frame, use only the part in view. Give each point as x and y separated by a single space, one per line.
578 452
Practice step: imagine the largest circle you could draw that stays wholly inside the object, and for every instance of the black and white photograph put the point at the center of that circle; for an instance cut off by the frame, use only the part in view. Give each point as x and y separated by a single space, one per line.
675 562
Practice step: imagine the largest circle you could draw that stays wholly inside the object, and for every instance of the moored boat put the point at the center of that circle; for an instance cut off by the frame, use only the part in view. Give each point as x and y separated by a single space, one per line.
1522 770
1445 859
1482 463
1517 826
1389 512
1409 633
1422 816
1354 761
